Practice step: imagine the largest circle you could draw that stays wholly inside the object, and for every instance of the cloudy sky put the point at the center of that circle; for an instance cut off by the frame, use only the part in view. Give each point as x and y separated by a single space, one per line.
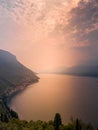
48 34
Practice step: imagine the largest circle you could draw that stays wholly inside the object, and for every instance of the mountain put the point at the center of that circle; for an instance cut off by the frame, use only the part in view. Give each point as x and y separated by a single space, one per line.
13 73
79 70
82 70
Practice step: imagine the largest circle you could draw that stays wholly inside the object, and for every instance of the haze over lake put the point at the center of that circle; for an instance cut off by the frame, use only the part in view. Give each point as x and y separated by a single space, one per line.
69 95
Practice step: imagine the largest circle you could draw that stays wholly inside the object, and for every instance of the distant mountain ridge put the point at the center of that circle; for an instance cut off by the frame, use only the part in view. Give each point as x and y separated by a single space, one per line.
80 70
13 73
84 70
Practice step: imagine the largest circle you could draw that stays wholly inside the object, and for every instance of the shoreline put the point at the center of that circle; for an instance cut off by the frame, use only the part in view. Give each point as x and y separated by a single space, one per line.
7 96
10 93
19 90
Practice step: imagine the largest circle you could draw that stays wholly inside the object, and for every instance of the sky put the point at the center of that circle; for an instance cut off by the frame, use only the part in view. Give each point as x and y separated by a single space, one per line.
50 34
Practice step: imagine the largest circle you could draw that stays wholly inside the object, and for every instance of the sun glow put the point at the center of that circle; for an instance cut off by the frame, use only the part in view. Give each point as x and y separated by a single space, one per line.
46 34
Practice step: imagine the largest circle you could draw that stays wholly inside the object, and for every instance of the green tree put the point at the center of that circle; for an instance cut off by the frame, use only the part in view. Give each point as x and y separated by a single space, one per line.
57 121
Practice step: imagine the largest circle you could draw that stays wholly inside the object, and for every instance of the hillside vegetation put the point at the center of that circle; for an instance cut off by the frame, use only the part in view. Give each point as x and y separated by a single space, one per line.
13 73
16 124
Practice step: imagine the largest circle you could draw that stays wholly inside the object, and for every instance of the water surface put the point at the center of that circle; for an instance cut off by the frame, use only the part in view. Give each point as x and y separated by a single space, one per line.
69 95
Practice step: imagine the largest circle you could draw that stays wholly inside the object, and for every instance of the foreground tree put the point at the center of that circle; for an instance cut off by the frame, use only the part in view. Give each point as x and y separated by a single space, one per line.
57 121
78 124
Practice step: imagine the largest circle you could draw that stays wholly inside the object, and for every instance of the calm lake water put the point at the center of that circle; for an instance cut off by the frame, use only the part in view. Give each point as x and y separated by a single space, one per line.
71 96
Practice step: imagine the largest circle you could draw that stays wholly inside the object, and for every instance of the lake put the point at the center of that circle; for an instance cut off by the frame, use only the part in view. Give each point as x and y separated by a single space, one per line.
71 96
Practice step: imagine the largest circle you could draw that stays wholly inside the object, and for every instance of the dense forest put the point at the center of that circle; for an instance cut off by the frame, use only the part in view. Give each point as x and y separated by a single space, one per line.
55 124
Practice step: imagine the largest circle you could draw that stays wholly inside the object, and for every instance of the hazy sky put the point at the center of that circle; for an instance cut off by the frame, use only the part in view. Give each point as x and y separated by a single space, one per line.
48 34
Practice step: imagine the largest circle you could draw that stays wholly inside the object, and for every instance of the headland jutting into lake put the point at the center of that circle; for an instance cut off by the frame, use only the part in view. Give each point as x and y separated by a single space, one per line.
14 77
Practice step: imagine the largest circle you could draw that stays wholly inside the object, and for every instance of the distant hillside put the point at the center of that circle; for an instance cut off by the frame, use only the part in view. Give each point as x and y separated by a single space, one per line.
79 70
83 70
13 73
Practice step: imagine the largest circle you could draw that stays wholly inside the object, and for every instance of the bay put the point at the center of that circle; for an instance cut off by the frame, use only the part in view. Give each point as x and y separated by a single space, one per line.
71 96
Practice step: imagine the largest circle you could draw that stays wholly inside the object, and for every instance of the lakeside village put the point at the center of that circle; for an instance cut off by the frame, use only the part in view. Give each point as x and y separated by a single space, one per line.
6 113
13 90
